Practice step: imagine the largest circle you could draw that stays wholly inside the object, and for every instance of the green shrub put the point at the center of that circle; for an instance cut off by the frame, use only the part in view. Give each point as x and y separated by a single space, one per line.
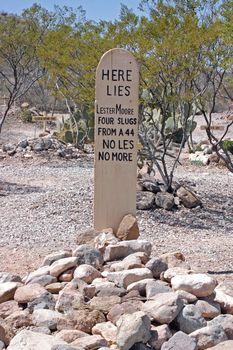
227 145
26 116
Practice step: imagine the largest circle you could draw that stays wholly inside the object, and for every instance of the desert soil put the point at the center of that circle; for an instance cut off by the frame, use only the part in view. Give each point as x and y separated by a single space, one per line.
48 201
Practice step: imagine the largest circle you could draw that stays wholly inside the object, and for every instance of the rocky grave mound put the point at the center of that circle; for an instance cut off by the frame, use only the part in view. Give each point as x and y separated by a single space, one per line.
111 294
41 146
205 153
151 194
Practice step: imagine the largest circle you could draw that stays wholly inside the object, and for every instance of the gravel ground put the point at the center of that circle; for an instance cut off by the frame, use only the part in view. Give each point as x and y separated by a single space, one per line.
48 202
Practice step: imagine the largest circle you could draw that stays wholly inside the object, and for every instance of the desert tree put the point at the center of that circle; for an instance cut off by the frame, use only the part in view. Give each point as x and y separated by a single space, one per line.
19 63
166 44
215 83
70 54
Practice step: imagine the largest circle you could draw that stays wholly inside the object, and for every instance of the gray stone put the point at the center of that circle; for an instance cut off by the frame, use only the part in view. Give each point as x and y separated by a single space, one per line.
226 322
103 239
159 335
45 301
190 319
128 307
130 262
133 329
224 296
23 143
164 200
104 304
42 271
208 336
68 299
102 291
126 277
164 308
44 280
180 341
43 330
48 318
156 287
124 248
151 185
157 266
188 198
140 346
88 255
140 286
9 277
49 259
38 146
187 297
145 200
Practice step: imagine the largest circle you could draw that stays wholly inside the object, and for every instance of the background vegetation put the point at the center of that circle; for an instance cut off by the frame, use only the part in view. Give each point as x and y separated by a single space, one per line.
185 52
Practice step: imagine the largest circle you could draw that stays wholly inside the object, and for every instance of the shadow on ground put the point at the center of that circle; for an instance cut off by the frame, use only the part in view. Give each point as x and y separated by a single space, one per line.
11 188
216 213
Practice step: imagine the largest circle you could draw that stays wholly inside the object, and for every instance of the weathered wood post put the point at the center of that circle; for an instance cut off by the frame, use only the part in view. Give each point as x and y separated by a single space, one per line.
116 129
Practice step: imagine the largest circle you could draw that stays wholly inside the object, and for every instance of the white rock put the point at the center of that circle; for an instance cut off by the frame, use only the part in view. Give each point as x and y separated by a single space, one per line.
27 340
107 330
224 296
7 291
87 273
140 286
62 265
164 308
132 329
44 270
90 342
124 248
51 258
47 318
200 285
125 278
174 271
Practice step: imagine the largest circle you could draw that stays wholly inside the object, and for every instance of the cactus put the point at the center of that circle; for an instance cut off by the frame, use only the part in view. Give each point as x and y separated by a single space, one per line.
77 130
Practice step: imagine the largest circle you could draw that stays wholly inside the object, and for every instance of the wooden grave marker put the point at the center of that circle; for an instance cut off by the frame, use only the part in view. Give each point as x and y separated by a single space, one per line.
116 133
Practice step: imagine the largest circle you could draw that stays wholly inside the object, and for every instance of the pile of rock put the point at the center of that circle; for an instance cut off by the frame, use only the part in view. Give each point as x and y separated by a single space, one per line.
205 155
151 194
46 145
113 295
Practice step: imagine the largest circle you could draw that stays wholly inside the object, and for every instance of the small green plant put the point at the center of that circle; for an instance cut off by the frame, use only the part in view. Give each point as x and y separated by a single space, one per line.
227 145
26 115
